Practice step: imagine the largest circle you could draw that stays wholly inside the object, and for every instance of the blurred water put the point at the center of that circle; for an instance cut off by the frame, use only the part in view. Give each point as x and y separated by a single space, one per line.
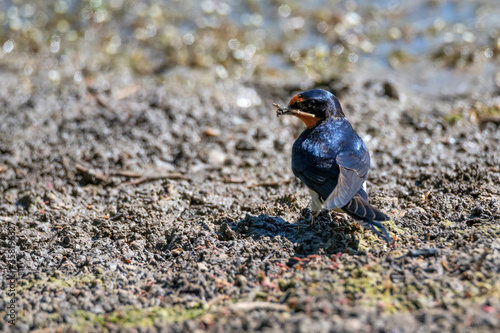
321 37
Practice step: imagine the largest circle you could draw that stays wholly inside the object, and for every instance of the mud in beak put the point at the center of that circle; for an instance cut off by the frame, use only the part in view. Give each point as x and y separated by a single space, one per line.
295 112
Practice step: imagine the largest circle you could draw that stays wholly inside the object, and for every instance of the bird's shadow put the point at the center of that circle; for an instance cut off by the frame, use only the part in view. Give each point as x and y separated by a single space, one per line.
329 234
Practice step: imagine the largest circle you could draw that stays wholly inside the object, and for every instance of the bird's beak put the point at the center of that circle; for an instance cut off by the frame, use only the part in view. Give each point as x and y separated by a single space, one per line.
295 112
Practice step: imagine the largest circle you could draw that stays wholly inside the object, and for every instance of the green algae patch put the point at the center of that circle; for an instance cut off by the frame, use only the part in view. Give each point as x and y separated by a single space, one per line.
58 283
446 224
129 317
369 287
452 119
486 110
393 228
368 240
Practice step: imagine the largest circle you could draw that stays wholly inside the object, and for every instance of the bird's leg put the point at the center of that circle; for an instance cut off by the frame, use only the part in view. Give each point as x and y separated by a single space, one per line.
317 205
314 215
303 217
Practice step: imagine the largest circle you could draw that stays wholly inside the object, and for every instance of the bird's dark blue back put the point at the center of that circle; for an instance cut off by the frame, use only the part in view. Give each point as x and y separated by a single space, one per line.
315 151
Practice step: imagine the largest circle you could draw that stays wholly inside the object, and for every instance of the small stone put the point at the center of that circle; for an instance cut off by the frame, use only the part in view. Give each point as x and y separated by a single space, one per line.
477 211
390 91
212 132
240 281
202 267
226 233
244 145
24 202
216 157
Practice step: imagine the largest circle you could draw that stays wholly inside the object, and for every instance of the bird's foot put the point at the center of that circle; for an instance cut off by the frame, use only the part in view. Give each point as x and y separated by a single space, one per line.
314 215
308 216
305 215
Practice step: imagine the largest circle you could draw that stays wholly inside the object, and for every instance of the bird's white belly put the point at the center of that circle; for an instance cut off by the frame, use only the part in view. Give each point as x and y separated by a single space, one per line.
317 202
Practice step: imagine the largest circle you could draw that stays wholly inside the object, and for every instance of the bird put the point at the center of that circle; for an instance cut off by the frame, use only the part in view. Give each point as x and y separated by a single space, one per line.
332 160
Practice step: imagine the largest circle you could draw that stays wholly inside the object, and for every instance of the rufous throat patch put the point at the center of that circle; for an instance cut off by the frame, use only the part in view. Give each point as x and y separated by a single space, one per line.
309 121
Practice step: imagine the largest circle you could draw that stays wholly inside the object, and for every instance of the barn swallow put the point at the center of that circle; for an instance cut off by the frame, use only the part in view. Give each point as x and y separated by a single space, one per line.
332 160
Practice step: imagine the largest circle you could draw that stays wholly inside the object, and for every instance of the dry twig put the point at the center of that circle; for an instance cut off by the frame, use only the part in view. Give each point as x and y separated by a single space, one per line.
140 178
253 306
271 183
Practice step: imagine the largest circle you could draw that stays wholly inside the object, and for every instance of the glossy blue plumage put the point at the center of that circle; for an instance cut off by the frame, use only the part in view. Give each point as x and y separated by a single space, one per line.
332 160
315 151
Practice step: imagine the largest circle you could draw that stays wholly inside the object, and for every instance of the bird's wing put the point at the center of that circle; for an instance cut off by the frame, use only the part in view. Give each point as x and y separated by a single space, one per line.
359 209
321 180
353 172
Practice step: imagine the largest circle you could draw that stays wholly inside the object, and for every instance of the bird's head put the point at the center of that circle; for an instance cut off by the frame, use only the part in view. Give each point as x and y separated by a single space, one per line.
313 107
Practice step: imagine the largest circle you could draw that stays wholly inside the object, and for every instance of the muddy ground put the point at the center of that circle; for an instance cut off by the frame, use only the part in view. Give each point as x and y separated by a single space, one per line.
145 180
152 207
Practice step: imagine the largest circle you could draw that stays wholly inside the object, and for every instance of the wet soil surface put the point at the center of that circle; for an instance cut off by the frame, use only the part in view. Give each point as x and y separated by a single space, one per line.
169 204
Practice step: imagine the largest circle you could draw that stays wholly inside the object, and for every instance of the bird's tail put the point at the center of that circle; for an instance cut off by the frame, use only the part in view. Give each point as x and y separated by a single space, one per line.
367 216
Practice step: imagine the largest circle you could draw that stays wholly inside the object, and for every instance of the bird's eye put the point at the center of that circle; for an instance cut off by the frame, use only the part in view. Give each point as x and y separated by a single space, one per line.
312 104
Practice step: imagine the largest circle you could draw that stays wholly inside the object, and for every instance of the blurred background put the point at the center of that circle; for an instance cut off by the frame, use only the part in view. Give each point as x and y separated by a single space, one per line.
71 40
